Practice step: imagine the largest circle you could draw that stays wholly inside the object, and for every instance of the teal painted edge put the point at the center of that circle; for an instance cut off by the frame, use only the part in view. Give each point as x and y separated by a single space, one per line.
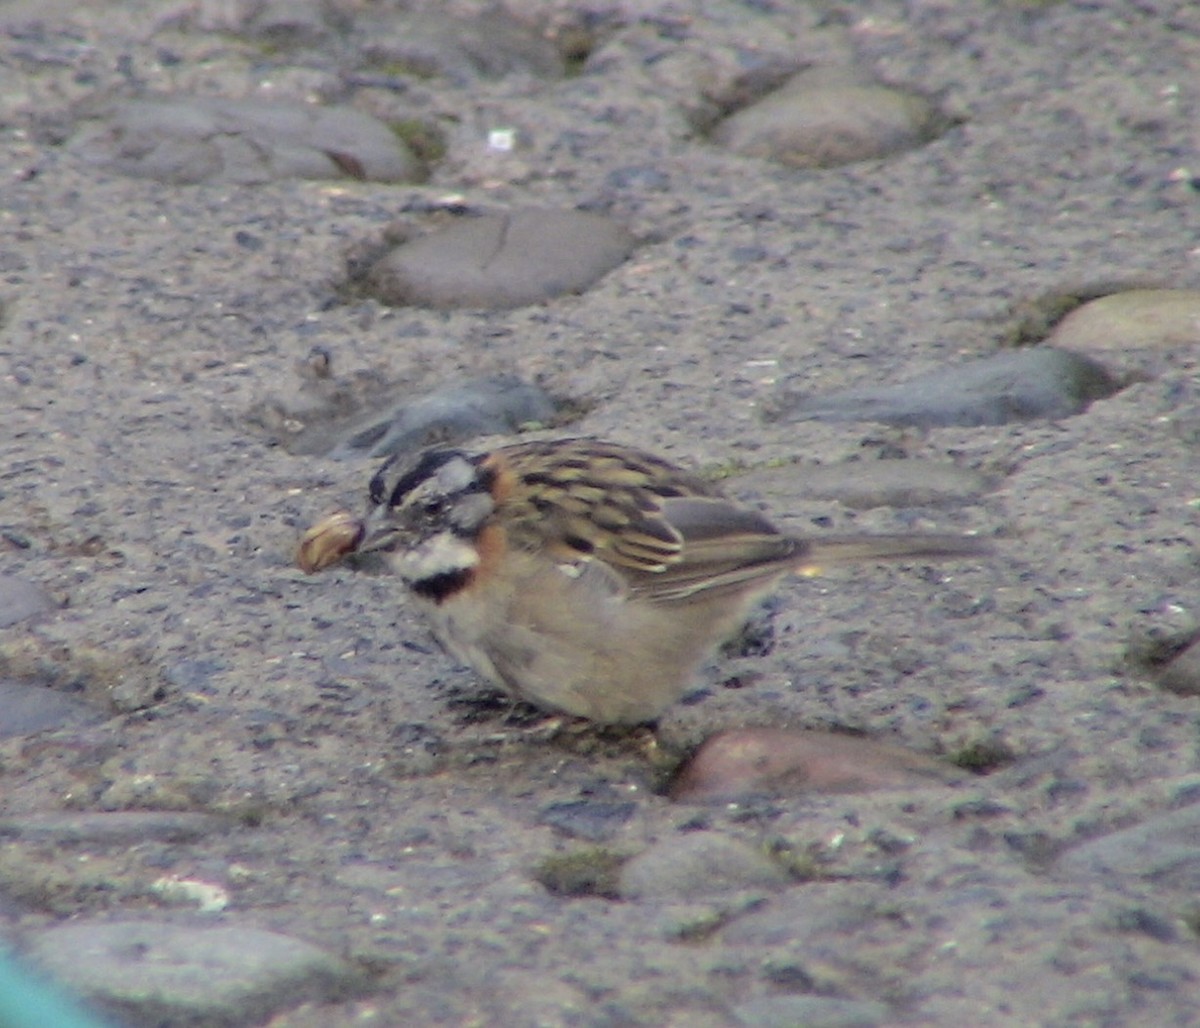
28 1001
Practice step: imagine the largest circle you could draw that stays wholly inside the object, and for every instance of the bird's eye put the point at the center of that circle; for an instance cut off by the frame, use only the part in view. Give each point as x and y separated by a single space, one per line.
434 506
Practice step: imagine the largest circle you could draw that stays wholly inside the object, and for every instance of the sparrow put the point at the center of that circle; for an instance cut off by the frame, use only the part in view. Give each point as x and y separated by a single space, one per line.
586 577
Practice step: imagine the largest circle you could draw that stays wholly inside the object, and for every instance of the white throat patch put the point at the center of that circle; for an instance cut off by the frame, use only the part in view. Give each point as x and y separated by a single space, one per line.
442 554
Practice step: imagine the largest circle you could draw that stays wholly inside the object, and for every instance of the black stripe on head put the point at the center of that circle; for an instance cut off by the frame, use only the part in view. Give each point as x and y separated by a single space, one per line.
425 467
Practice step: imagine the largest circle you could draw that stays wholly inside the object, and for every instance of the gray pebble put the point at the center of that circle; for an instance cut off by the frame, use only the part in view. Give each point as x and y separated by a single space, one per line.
111 828
194 674
1017 385
866 484
1181 674
593 820
499 261
809 917
482 406
28 708
185 140
198 973
1165 849
825 117
21 599
700 864
489 44
290 23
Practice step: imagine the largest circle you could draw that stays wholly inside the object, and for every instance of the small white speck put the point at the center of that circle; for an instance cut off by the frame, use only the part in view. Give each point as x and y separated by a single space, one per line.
502 140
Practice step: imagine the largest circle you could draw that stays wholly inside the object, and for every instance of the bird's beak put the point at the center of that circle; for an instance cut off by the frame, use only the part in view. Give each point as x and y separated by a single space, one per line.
379 533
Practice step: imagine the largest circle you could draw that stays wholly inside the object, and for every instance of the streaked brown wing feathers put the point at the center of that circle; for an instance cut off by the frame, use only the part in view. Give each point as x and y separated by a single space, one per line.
670 533
604 501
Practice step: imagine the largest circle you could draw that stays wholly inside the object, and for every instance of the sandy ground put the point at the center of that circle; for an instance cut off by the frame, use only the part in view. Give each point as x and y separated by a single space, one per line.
375 806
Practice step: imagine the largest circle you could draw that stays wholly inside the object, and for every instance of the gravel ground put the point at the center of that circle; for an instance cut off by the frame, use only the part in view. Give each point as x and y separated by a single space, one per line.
277 788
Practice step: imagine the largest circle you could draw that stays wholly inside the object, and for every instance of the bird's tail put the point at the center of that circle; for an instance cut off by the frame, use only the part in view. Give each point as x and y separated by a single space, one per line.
824 550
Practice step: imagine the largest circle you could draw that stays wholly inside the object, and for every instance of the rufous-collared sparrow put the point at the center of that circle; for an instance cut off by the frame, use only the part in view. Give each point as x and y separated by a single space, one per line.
585 577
